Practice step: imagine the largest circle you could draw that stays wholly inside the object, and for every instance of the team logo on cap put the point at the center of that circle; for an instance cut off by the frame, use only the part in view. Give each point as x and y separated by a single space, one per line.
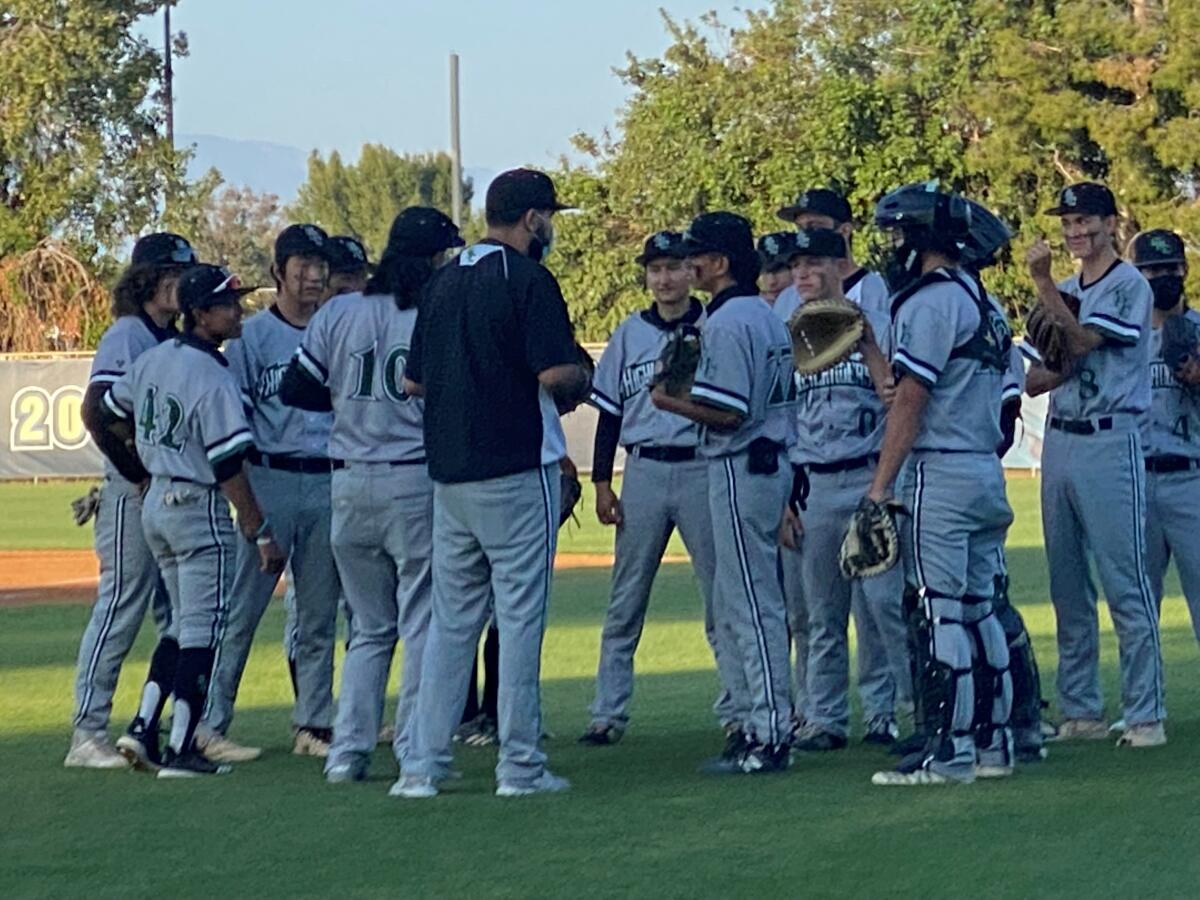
313 235
355 251
662 241
771 245
802 240
805 200
1161 244
1069 197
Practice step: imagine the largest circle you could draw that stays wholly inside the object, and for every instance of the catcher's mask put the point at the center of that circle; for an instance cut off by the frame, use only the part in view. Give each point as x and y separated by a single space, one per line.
920 218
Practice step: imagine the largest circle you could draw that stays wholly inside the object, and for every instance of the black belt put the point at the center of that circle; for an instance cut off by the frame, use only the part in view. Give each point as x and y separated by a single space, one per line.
846 465
663 454
342 463
1081 426
1171 464
307 465
175 479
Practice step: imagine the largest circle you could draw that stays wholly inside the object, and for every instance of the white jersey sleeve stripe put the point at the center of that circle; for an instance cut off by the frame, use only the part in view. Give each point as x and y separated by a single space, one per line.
920 369
114 406
721 398
105 376
312 366
602 402
1123 331
230 445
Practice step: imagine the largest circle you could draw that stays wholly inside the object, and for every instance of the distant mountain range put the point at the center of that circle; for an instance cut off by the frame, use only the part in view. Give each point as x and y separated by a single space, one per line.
274 168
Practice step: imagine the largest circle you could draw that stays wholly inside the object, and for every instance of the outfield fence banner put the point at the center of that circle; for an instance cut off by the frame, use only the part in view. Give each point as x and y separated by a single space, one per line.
43 435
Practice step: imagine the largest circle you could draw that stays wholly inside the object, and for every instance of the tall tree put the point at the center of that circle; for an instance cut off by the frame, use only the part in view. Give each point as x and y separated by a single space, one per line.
362 198
81 153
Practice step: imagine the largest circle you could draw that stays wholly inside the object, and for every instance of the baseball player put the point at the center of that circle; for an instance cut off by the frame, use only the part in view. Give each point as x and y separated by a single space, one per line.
290 470
776 275
352 357
950 358
665 485
494 356
742 397
827 208
840 417
144 309
182 409
1093 469
1173 434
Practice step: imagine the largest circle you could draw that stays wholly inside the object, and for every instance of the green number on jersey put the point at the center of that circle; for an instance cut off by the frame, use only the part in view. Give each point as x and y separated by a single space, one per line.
146 421
392 376
174 420
366 374
1087 384
867 420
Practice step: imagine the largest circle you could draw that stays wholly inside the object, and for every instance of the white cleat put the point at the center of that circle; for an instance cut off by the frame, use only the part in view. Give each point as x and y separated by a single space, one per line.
93 751
221 749
310 742
546 783
413 787
1081 730
1118 727
1149 734
909 779
983 770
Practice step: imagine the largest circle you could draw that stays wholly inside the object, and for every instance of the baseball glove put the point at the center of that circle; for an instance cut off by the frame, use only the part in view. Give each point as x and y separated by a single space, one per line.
676 369
871 545
1047 334
572 492
1179 339
83 508
824 333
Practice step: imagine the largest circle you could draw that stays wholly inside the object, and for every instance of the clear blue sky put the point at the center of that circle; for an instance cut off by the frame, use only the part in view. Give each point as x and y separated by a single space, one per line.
338 74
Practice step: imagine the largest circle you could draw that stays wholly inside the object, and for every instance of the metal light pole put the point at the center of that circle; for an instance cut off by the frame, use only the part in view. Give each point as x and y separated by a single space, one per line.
456 200
168 95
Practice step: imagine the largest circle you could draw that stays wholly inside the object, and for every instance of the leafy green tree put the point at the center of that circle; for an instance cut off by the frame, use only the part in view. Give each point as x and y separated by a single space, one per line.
362 198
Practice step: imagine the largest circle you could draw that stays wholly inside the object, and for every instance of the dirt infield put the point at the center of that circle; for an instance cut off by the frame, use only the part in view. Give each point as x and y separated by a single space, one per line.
70 576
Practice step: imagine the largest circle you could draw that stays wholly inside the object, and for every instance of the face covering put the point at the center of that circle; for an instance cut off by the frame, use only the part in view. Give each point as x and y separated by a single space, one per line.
1168 291
903 267
542 241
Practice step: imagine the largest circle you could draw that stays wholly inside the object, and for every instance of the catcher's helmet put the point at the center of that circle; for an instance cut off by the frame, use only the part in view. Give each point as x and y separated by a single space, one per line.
921 207
987 236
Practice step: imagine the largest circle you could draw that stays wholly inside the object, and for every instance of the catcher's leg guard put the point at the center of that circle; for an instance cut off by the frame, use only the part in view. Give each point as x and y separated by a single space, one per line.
1027 703
943 688
993 682
916 628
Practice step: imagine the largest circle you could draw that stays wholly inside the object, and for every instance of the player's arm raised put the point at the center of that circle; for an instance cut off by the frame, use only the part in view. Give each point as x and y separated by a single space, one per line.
1080 340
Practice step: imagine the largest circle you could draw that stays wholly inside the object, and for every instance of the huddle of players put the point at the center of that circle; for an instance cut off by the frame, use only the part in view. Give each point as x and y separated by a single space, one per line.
928 403
930 423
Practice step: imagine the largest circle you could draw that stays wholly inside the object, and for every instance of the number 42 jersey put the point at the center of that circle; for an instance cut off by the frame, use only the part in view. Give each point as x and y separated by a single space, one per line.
185 409
357 346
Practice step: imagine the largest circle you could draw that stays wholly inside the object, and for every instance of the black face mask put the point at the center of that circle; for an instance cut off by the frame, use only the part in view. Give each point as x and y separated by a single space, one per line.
1168 291
903 267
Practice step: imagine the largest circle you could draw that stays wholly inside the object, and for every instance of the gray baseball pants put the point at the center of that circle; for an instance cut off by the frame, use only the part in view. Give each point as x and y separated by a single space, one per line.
1173 532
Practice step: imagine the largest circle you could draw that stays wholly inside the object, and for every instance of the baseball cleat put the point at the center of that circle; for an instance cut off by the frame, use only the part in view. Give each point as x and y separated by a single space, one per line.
221 749
479 732
413 787
909 779
1148 734
882 731
312 742
140 747
1118 727
735 744
914 743
344 773
191 764
93 751
1081 730
1029 744
986 770
601 735
821 742
546 783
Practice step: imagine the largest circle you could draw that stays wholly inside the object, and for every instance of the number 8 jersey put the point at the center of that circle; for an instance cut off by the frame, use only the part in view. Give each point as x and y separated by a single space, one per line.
357 346
185 408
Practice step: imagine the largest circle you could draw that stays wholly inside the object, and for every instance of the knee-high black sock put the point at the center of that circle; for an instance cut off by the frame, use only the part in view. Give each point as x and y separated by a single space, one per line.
159 683
471 709
491 673
190 691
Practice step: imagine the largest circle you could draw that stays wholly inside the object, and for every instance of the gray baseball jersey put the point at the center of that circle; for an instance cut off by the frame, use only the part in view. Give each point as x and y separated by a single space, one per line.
1173 425
258 360
623 375
1115 377
185 408
746 366
357 346
839 416
934 331
864 287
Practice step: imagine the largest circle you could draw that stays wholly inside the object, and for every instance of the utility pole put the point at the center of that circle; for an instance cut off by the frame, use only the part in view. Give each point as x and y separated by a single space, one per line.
456 200
168 95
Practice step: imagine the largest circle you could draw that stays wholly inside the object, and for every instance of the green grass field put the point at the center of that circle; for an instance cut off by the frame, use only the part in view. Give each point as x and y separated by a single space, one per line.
1090 821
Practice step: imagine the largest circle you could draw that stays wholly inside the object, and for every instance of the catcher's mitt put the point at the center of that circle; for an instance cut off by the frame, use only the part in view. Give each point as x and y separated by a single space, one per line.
572 492
1047 335
676 369
1180 336
871 545
824 333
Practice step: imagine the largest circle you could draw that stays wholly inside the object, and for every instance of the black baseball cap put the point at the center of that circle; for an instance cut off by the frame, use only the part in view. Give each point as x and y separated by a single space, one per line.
1158 247
203 286
519 190
776 250
347 254
1087 198
822 201
422 231
163 249
661 245
818 242
719 232
301 240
